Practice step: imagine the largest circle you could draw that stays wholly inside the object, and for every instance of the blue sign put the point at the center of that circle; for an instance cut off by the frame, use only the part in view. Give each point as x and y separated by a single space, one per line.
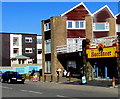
83 79
6 70
33 67
23 70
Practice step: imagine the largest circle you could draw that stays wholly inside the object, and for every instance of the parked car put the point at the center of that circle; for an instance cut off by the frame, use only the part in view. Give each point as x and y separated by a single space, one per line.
12 77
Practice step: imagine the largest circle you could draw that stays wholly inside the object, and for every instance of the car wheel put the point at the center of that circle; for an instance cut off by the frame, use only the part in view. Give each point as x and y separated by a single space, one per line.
23 82
9 81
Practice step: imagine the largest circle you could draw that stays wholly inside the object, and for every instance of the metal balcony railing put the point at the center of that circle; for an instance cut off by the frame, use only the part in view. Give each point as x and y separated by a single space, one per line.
107 41
69 48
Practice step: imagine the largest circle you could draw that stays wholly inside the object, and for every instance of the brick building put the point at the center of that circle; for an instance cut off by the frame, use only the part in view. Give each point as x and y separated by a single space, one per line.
63 35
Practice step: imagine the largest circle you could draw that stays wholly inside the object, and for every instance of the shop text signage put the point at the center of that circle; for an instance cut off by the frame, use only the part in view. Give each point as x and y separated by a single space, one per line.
107 52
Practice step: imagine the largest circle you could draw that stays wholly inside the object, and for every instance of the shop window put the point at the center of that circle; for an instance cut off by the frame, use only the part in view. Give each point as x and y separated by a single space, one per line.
71 65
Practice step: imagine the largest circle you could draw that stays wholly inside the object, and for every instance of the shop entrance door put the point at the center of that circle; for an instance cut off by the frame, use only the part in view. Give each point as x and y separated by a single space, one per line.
101 70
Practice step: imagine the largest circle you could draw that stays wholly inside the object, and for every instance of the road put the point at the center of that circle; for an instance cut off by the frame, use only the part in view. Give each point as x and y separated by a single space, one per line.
41 89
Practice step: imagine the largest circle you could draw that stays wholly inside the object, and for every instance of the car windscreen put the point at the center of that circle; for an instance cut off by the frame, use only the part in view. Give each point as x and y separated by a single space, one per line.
13 73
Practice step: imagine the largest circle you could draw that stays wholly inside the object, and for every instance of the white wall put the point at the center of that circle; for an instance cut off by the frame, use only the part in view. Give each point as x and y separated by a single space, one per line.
19 46
39 46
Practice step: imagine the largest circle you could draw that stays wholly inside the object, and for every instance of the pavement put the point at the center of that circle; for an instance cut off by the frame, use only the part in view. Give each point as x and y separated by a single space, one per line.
76 81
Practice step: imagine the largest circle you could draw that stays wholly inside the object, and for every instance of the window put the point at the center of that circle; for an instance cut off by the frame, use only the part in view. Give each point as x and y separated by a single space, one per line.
28 50
15 50
47 26
39 41
69 24
48 46
74 44
118 28
71 64
48 67
39 51
76 24
101 26
28 39
15 41
30 62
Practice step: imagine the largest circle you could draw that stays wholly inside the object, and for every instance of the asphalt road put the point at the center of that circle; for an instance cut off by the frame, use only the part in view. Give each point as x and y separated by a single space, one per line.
41 89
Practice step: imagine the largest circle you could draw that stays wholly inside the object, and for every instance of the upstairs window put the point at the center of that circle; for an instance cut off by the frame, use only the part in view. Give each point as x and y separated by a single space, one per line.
39 51
70 24
76 24
28 50
101 26
118 27
47 26
28 39
39 41
15 41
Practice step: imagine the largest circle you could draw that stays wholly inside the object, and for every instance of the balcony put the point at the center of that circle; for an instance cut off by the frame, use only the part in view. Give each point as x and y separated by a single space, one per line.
107 41
69 48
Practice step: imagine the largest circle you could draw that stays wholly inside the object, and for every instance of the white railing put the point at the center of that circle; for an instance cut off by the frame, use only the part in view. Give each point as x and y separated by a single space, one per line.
69 48
107 41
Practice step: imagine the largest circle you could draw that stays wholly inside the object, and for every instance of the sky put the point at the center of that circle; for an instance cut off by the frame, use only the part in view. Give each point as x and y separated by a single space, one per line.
26 17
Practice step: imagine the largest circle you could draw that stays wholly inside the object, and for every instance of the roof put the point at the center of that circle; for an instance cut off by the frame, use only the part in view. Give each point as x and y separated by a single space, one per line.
18 33
76 7
102 9
21 57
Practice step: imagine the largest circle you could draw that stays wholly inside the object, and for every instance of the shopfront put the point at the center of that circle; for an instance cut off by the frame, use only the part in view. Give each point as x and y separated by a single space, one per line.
103 61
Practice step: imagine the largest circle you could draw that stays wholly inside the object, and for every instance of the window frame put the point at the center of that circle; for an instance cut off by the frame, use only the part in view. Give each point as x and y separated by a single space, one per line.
47 26
30 40
29 50
74 24
106 25
117 28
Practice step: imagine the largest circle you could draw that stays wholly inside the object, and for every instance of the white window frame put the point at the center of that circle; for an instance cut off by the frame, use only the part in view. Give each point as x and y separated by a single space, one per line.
29 39
106 25
45 46
117 28
47 26
30 50
47 66
74 25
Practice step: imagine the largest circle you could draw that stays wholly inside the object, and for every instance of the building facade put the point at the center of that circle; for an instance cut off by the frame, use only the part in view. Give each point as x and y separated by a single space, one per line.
19 48
63 36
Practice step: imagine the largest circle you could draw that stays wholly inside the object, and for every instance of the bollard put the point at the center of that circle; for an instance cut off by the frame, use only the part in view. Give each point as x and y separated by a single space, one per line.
58 78
51 78
113 82
44 78
39 78
69 77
